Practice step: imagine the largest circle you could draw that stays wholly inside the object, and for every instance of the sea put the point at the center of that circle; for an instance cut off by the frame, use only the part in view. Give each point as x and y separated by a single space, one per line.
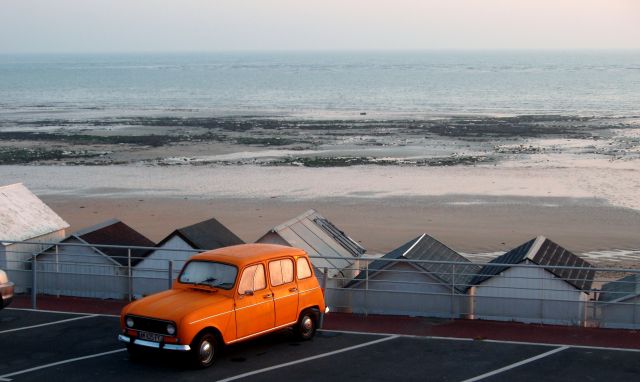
318 85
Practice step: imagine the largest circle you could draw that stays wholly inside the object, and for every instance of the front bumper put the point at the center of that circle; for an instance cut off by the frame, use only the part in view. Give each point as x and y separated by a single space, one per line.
154 345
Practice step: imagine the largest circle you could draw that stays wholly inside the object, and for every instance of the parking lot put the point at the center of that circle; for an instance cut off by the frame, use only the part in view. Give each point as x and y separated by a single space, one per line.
38 346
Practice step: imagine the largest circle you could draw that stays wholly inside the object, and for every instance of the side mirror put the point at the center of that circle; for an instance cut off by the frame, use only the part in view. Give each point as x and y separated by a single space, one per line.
248 293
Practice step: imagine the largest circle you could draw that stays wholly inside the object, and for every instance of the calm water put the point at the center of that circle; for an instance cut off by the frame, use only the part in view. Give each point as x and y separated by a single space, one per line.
320 84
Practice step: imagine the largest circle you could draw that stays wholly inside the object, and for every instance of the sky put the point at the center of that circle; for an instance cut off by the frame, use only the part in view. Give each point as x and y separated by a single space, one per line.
87 26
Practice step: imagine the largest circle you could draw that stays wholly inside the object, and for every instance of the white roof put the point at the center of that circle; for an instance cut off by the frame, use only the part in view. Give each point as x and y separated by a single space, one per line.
303 232
24 216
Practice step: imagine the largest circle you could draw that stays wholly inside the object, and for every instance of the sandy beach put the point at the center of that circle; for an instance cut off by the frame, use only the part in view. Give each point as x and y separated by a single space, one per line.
475 210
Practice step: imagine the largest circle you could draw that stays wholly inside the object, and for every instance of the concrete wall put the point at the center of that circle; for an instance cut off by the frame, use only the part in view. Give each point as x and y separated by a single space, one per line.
531 295
400 289
151 274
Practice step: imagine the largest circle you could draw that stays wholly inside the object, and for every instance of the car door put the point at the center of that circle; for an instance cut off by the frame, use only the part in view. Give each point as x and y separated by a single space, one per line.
254 302
308 288
285 290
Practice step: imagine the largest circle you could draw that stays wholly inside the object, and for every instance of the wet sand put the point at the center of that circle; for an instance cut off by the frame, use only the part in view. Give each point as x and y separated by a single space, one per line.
489 224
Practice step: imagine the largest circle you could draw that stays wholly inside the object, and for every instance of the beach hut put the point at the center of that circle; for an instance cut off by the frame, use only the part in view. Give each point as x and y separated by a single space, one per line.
432 282
619 303
319 238
543 293
24 217
90 270
151 274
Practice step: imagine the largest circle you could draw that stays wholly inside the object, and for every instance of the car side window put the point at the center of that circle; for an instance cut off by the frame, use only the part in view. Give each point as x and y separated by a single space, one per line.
252 279
304 271
281 271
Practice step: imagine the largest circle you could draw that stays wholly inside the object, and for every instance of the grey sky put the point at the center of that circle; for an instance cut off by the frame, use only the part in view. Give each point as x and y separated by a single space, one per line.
209 25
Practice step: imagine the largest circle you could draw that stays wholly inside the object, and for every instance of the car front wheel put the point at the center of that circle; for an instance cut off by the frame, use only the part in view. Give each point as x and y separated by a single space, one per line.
204 350
306 326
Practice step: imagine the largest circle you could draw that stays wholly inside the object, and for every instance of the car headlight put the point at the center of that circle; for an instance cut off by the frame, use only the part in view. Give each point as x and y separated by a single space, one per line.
129 322
171 329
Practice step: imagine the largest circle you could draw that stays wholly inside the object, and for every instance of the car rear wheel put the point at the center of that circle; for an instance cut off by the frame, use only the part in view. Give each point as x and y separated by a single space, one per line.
306 327
204 350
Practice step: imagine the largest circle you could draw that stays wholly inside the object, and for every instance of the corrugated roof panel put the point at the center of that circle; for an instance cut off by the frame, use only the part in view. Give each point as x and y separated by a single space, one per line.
296 241
433 250
550 253
209 234
24 216
319 244
514 256
622 289
427 248
345 241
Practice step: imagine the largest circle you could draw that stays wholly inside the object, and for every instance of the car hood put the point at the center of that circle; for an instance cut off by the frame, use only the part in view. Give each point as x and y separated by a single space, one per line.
175 304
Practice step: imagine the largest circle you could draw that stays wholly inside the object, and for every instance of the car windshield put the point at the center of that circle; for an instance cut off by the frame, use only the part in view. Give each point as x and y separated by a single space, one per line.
209 273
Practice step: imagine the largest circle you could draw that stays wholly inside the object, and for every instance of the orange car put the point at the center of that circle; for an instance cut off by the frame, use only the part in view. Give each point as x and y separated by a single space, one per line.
224 296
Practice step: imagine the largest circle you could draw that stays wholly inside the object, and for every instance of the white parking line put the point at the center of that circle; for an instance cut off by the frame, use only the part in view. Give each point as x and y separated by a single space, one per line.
514 365
483 340
47 324
62 312
6 376
259 371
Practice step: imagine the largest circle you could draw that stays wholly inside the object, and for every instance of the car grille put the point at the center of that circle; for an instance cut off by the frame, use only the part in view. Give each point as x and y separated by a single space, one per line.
150 325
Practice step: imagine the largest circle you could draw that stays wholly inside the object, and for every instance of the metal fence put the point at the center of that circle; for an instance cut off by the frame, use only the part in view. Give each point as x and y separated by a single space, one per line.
521 292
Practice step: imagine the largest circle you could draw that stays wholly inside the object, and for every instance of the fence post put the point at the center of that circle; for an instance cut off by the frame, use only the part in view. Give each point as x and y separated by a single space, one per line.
453 290
170 274
366 288
57 273
34 282
324 289
129 274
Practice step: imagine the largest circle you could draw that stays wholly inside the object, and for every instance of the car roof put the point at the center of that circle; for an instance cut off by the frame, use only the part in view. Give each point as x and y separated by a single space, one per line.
245 254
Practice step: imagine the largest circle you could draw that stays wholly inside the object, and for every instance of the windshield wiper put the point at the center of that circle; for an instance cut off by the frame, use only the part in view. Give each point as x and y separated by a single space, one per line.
207 282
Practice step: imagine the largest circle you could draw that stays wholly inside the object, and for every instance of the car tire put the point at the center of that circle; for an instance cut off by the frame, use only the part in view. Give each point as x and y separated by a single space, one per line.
204 350
306 327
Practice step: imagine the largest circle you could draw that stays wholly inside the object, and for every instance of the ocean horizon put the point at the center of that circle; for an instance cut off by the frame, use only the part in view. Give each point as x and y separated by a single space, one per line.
319 85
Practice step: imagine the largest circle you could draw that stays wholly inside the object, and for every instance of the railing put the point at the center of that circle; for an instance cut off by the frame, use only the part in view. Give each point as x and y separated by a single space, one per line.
521 292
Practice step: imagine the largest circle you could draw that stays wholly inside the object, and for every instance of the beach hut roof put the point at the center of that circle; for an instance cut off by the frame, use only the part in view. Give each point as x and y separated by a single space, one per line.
208 234
319 237
24 216
620 290
114 232
544 252
441 262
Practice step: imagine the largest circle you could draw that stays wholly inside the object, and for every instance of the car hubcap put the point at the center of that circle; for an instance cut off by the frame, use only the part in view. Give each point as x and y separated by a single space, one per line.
307 325
206 352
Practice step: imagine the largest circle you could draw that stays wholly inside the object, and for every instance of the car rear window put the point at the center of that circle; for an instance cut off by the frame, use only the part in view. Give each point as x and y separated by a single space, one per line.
304 271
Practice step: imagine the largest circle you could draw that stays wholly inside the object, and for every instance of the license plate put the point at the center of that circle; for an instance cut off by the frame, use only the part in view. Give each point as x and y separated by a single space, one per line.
150 336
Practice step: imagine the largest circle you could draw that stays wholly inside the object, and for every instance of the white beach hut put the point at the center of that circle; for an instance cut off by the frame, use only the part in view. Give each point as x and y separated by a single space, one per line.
320 239
24 217
91 270
432 285
543 293
619 303
151 274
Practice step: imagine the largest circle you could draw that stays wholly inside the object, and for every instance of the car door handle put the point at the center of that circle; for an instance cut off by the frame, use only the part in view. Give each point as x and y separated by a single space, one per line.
294 289
268 295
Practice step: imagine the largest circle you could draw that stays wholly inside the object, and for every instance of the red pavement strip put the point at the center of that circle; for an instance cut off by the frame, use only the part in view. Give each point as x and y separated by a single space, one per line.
418 326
